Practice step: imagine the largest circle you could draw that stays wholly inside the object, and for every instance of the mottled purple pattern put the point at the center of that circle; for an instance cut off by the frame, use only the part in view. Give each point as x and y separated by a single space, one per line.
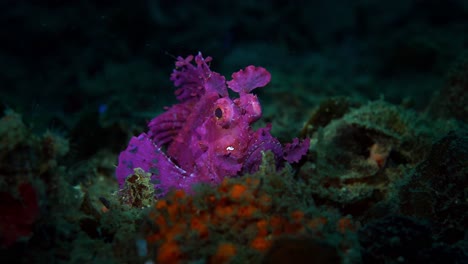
248 79
140 153
294 151
208 135
260 141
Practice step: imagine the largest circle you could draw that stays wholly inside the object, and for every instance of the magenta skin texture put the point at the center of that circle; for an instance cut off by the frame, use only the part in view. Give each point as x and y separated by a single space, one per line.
207 136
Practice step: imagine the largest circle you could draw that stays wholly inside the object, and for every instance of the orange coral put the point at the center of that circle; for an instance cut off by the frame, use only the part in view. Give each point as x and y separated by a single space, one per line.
224 211
169 253
224 253
234 210
316 223
277 224
260 243
197 225
262 227
297 216
264 202
344 224
246 211
237 191
179 194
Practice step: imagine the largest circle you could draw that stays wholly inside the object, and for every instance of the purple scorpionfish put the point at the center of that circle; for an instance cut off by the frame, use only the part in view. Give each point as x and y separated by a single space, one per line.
208 135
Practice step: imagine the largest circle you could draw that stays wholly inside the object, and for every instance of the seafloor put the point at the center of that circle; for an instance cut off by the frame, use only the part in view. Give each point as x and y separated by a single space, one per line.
378 87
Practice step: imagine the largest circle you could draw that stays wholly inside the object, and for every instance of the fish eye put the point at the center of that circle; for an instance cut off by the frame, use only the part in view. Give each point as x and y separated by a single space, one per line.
218 113
224 112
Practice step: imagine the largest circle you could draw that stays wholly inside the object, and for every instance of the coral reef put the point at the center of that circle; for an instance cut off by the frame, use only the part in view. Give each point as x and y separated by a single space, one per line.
24 155
378 87
137 191
27 171
437 189
46 219
358 160
245 215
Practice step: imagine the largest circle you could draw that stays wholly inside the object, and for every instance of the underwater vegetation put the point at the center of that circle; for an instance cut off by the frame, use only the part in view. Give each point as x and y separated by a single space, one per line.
363 162
241 219
347 142
370 182
363 173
